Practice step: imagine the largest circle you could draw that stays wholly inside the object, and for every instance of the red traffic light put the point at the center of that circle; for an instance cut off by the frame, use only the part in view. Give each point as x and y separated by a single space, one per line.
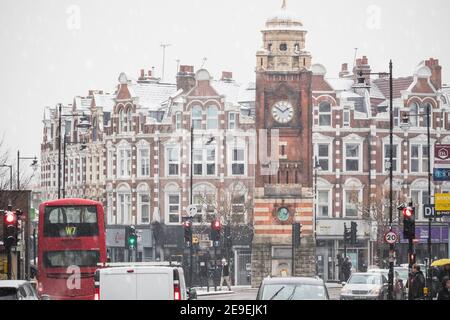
408 212
10 217
216 224
187 224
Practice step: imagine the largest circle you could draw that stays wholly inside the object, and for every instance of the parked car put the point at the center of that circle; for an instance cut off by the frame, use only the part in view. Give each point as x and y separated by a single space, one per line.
17 290
293 288
141 281
365 286
384 272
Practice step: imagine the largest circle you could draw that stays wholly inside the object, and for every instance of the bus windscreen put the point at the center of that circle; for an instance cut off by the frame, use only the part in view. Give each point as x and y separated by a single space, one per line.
64 259
70 221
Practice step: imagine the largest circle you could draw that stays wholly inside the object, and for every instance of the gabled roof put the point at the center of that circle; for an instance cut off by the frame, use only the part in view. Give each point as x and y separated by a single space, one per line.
105 101
399 85
151 95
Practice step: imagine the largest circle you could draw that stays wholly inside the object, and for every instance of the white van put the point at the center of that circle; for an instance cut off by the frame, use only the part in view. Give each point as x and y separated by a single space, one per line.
141 281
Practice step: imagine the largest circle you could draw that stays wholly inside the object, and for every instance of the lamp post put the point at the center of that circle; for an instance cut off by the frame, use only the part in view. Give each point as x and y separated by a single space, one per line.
10 174
405 126
82 147
391 129
27 215
82 125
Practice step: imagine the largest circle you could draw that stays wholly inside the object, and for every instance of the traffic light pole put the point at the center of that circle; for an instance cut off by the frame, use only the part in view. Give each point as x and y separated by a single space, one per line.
345 240
391 142
429 278
191 249
9 261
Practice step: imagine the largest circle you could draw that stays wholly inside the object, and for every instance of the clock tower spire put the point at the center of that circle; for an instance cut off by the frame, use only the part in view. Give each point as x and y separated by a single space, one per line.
283 183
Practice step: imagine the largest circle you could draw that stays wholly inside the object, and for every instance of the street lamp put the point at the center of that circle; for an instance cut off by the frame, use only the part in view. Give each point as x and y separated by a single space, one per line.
83 125
391 138
33 164
10 174
82 147
405 125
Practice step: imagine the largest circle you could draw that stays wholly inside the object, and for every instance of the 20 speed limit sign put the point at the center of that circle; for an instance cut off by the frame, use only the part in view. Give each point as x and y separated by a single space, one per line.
390 237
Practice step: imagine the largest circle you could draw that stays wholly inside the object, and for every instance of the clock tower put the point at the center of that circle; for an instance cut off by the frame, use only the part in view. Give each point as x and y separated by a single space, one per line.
283 185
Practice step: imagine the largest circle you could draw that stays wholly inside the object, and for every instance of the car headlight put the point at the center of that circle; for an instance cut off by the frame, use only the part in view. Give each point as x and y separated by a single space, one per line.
345 291
375 291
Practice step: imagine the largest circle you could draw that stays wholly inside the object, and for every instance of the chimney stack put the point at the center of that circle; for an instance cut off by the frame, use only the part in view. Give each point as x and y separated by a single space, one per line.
362 65
344 70
227 76
436 72
186 78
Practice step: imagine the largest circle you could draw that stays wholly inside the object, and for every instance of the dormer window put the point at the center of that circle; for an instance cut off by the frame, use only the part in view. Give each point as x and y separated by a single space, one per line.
283 47
297 48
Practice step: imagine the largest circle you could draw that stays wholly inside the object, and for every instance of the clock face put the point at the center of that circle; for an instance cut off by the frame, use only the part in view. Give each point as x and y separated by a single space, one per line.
282 111
283 214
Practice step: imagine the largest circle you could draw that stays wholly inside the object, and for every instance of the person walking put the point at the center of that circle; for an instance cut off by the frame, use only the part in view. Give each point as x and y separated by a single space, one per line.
444 293
225 274
416 284
346 268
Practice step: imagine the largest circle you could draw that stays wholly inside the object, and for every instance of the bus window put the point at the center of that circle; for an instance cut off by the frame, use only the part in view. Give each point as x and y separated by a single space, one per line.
70 221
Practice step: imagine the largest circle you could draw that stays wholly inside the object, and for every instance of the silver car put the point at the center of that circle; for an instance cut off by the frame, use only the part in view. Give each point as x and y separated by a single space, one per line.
293 288
365 286
17 290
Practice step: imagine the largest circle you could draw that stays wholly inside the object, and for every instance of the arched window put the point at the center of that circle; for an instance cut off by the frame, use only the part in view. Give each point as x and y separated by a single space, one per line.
324 114
129 120
178 121
414 114
212 118
121 120
124 204
197 117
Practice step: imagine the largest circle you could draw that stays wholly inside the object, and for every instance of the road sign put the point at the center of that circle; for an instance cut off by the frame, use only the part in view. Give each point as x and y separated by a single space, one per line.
428 210
391 237
191 210
195 239
442 201
441 174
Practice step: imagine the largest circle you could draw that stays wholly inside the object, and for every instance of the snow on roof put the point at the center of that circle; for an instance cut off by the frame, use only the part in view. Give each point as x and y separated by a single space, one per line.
340 84
151 95
234 93
375 92
106 101
83 102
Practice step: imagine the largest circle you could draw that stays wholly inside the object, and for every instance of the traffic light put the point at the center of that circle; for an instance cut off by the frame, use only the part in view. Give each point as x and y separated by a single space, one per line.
187 226
130 237
409 223
412 258
227 236
10 229
216 226
296 234
353 232
347 233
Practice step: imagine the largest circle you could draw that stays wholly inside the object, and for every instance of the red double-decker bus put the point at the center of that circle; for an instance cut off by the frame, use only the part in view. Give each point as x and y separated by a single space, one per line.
71 241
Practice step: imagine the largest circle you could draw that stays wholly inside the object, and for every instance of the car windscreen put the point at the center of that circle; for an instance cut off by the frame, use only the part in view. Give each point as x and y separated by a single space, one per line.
365 279
64 259
8 293
402 273
70 221
293 292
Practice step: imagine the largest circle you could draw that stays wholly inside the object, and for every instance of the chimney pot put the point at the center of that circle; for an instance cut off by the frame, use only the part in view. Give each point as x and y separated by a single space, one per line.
344 67
142 73
149 73
226 75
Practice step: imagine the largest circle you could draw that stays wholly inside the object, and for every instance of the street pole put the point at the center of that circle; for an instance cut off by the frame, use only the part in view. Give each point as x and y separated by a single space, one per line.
18 170
64 169
190 202
9 261
429 278
59 150
293 254
345 240
391 128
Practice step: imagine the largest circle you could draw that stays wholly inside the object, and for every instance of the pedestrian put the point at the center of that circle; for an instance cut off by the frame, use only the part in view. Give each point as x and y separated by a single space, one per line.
444 293
225 274
416 284
340 261
346 268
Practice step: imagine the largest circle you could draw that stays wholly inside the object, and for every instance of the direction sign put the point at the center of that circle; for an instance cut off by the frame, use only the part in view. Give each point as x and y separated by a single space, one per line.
391 237
428 210
441 174
442 201
191 210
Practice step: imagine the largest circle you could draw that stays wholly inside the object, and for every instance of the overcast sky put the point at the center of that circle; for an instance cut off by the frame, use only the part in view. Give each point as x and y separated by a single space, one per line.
53 50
